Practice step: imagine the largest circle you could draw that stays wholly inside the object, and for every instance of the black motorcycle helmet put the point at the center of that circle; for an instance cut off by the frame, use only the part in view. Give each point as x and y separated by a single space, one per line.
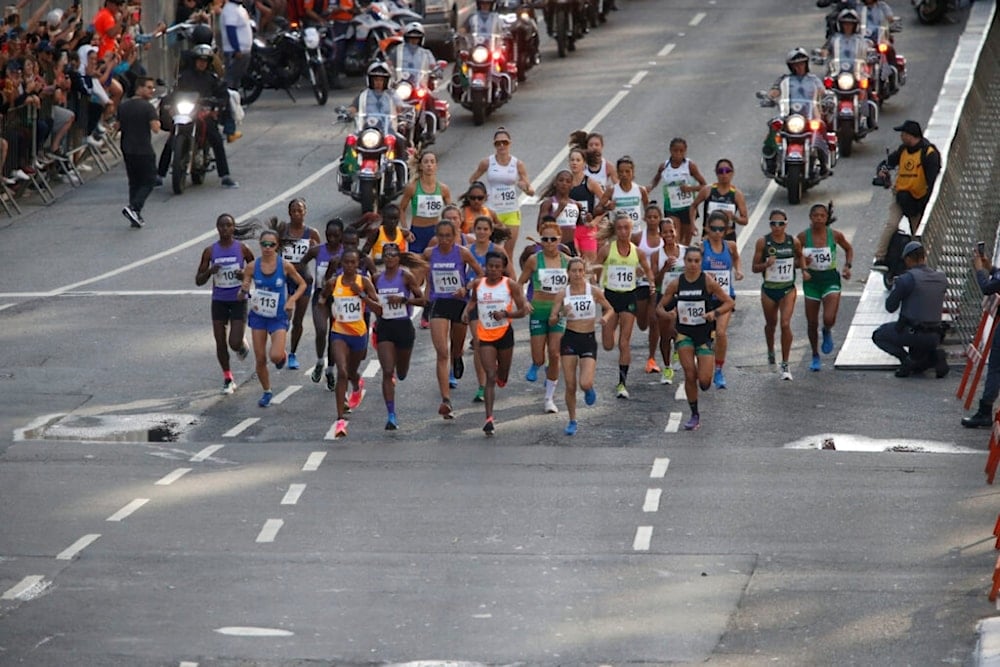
201 34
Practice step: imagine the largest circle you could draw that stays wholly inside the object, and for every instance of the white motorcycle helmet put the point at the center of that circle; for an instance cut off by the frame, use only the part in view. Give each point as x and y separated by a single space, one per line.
797 55
414 29
848 16
378 69
203 52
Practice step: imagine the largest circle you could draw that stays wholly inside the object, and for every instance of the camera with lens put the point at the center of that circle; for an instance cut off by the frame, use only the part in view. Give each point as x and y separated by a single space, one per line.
882 175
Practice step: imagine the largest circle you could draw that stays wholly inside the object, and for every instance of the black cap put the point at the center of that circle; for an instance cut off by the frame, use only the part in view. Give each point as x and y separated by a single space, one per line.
910 127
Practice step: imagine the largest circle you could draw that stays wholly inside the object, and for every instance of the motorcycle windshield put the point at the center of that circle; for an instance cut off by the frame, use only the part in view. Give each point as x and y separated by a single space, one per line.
795 100
848 56
383 121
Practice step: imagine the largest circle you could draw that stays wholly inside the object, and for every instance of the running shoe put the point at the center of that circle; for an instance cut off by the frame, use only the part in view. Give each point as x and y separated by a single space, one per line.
621 391
693 424
590 396
667 376
770 357
480 395
785 373
132 217
719 379
445 409
424 324
331 380
532 374
265 400
390 423
827 341
550 406
489 428
457 368
651 366
452 382
816 364
244 351
228 386
293 362
340 429
355 400
571 427
501 383
281 364
317 373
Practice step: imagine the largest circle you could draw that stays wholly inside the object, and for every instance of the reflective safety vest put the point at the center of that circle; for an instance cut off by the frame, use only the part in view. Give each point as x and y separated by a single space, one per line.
912 178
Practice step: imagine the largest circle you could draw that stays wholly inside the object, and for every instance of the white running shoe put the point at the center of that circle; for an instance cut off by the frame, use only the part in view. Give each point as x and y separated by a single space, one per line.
785 373
550 406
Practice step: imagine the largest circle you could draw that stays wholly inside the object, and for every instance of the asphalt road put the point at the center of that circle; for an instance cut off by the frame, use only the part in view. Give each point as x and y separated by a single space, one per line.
739 544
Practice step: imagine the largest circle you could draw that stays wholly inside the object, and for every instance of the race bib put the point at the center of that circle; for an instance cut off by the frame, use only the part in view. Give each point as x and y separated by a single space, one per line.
446 281
722 276
226 277
390 312
264 303
674 198
486 318
782 271
553 280
503 198
569 216
691 313
633 207
294 251
429 206
321 271
725 206
581 307
347 308
822 259
621 278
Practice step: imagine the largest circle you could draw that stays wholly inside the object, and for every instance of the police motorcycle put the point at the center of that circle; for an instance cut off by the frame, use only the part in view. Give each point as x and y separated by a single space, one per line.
372 172
798 165
930 12
888 66
275 64
519 19
426 115
314 67
483 79
192 152
372 31
566 22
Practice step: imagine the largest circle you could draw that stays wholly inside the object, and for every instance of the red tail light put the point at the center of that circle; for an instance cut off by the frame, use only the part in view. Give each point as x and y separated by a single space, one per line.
828 82
352 140
390 141
776 124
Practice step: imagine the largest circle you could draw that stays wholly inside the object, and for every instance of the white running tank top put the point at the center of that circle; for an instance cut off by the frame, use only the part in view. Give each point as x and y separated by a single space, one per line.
502 183
673 178
631 202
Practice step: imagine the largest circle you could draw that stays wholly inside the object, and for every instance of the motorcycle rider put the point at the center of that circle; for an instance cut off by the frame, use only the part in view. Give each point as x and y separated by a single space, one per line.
803 88
411 58
848 46
878 14
199 78
380 102
485 20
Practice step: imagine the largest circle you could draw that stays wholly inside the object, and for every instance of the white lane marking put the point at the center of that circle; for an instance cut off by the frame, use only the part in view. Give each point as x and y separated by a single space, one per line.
124 512
280 398
247 631
665 51
698 18
679 395
205 453
78 546
293 494
673 422
659 468
756 214
7 305
21 587
371 369
91 293
242 426
187 663
331 433
652 502
270 530
312 463
559 158
639 76
643 535
844 294
172 477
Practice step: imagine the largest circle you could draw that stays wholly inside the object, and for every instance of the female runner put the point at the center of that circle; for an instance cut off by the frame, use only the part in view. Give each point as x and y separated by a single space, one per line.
557 203
666 264
682 180
296 240
486 239
422 202
474 206
504 176
648 241
723 196
587 193
721 260
324 255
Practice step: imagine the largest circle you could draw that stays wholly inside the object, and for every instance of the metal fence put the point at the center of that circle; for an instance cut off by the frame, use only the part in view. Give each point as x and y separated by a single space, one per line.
965 206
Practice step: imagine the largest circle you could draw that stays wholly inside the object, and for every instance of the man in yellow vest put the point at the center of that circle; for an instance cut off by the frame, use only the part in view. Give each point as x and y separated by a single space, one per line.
919 162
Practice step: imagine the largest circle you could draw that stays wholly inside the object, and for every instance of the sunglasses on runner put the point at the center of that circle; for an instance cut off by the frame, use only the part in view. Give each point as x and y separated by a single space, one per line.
716 229
777 223
477 197
268 244
501 142
724 170
549 239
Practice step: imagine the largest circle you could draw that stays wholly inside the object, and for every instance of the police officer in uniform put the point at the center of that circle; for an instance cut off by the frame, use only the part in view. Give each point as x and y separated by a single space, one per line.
988 279
919 163
914 338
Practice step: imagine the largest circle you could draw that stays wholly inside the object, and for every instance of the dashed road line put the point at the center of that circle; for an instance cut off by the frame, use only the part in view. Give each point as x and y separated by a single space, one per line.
697 18
679 395
673 422
289 390
18 589
72 550
293 494
371 369
652 502
312 463
270 530
659 468
665 51
242 426
643 536
187 663
638 77
124 512
205 453
170 478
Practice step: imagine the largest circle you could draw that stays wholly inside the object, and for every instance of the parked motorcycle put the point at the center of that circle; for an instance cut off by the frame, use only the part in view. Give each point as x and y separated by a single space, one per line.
315 66
932 11
192 152
519 18
370 171
798 164
274 65
482 80
426 116
849 82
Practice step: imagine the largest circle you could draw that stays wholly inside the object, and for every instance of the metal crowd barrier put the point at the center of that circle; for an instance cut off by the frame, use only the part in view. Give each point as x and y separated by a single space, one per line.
965 205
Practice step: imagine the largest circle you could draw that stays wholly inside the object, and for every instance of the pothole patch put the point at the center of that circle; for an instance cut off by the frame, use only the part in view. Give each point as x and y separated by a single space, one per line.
846 442
149 427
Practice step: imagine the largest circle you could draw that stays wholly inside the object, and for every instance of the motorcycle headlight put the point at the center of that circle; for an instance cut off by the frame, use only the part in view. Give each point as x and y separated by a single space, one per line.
404 89
185 107
845 81
370 139
480 54
311 38
795 124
